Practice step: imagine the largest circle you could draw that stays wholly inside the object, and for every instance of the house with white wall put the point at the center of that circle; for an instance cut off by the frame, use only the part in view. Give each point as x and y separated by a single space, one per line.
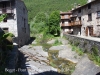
16 21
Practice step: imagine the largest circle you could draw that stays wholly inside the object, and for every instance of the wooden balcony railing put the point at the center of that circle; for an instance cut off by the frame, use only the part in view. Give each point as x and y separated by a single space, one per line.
65 17
6 10
76 23
63 24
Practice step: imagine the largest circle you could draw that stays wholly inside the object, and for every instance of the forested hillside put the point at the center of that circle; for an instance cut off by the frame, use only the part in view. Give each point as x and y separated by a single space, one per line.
47 6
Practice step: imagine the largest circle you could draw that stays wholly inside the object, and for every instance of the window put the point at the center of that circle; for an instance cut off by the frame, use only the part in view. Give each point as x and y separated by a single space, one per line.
84 28
89 6
4 5
79 11
24 22
80 18
24 10
89 17
62 21
10 16
98 14
24 26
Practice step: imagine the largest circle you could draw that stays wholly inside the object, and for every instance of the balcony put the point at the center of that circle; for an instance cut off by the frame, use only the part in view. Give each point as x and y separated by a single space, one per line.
65 25
6 10
76 23
65 17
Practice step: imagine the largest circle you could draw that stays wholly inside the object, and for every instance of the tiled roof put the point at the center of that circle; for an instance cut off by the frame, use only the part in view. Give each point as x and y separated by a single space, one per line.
84 5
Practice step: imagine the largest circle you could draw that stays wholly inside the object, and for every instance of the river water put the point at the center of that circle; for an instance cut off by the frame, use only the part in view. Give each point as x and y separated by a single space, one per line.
64 66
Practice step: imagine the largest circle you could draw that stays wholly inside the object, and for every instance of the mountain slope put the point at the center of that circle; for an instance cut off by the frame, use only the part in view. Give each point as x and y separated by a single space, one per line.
47 6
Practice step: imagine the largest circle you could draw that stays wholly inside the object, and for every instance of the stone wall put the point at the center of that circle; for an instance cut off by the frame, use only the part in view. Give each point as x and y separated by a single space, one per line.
12 60
83 43
22 22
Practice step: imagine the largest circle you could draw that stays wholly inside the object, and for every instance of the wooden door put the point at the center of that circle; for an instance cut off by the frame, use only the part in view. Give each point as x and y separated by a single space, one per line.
91 31
86 32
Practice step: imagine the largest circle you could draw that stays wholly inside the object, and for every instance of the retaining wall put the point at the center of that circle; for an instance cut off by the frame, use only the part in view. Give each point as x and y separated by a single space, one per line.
83 43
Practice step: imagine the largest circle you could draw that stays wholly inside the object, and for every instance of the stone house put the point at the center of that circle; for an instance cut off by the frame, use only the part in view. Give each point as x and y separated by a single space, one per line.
16 21
65 22
69 23
85 20
89 15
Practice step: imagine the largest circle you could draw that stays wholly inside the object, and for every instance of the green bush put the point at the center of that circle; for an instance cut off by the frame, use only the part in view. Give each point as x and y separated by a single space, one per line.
57 42
45 24
77 50
73 48
38 24
76 43
94 56
70 42
95 50
85 43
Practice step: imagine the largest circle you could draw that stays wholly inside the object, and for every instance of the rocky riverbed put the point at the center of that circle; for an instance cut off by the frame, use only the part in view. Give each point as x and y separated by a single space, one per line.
33 60
36 60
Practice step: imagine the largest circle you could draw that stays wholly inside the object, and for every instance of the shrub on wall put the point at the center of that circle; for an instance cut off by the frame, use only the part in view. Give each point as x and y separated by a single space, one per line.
94 56
76 43
85 43
95 50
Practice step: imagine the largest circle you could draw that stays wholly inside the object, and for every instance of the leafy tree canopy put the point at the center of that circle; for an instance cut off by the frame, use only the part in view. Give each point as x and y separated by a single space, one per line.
53 23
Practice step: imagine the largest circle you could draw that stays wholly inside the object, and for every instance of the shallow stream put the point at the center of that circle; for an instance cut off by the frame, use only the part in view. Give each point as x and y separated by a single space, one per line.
64 66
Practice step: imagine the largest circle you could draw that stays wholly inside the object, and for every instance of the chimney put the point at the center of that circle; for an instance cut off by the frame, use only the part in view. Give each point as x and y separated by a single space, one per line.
79 5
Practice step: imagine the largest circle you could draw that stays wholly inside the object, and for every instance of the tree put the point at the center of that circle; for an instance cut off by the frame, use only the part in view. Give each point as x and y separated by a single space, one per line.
38 25
40 17
54 19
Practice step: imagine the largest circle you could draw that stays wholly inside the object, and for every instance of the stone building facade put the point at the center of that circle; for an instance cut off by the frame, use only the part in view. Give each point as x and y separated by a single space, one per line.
85 20
16 21
89 15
